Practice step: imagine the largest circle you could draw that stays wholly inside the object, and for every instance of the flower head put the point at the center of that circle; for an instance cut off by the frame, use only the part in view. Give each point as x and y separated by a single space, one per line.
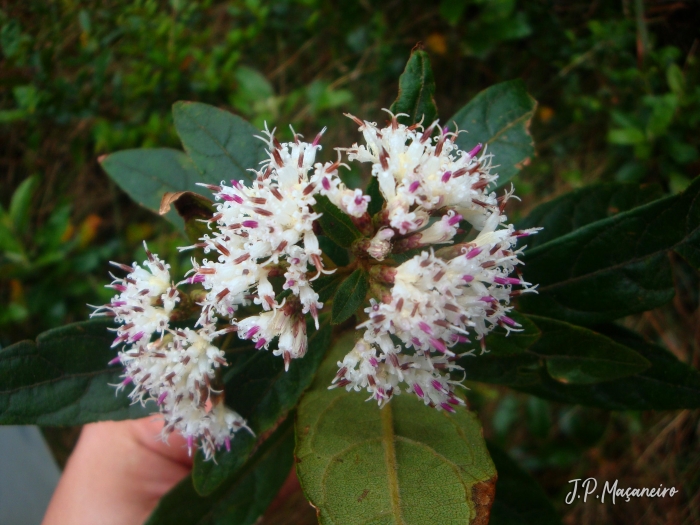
262 256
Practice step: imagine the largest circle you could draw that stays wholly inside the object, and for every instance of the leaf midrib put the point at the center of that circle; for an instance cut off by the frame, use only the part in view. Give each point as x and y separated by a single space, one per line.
388 435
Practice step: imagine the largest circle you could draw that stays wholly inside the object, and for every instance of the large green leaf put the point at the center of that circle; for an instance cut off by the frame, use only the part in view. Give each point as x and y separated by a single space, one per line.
222 145
259 389
416 91
405 463
570 353
350 296
335 224
63 379
578 208
500 117
243 498
616 266
147 174
519 499
666 384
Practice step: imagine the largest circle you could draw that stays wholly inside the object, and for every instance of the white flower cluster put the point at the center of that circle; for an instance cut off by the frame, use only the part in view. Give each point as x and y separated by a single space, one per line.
264 233
259 231
175 369
266 230
436 299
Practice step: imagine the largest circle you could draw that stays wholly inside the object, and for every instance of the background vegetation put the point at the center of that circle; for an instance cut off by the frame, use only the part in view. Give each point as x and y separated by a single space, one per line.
619 100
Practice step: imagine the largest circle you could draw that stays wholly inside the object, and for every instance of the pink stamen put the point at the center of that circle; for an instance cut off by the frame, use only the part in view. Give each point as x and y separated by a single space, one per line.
473 253
254 330
438 386
414 186
418 390
425 327
506 280
250 224
447 408
373 362
474 152
317 140
326 184
454 219
115 361
261 342
508 320
438 345
446 176
227 441
468 278
161 398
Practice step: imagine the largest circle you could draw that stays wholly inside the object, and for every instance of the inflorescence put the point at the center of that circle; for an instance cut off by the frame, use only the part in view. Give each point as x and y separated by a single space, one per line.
420 308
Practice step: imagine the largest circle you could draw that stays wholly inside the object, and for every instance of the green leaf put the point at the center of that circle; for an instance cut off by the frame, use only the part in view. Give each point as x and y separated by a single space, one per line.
326 285
626 136
21 201
335 253
335 224
350 296
571 354
406 463
62 379
616 266
666 384
243 498
576 209
148 174
377 199
416 91
520 500
259 389
222 145
675 79
452 10
577 355
500 117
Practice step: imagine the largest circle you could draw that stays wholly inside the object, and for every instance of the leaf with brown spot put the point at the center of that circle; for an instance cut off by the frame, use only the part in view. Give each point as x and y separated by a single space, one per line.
389 457
193 208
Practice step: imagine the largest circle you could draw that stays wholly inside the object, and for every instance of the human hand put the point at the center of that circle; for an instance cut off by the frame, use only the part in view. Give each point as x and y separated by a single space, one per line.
117 473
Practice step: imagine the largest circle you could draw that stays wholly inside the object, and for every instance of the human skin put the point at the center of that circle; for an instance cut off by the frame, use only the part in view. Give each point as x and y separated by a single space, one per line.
117 473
